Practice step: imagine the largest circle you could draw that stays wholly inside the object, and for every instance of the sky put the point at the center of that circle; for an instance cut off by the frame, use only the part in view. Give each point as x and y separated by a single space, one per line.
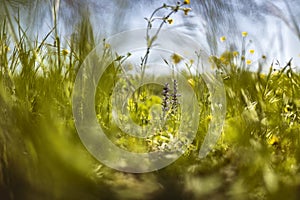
268 23
264 21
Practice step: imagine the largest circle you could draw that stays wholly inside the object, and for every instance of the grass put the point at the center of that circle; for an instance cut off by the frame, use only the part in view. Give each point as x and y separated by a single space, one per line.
42 157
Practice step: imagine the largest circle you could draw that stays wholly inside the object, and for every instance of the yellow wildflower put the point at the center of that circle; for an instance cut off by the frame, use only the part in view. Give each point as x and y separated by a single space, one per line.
223 59
176 58
170 20
7 48
191 82
226 57
287 108
186 10
223 39
244 34
262 76
279 91
235 53
251 51
65 52
186 2
275 73
248 62
274 140
209 118
107 46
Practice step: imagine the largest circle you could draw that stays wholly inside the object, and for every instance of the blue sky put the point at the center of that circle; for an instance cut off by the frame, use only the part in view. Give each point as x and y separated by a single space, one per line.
267 22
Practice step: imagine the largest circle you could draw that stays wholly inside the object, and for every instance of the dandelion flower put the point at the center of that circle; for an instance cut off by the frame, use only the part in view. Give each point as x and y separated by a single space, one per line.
186 10
248 62
176 58
223 39
170 20
251 51
244 34
186 2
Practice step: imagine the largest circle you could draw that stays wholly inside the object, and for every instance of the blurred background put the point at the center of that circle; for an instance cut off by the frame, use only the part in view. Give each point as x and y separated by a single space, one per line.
41 155
273 26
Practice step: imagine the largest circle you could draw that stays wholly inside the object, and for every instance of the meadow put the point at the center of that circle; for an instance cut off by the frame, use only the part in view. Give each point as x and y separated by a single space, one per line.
42 156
